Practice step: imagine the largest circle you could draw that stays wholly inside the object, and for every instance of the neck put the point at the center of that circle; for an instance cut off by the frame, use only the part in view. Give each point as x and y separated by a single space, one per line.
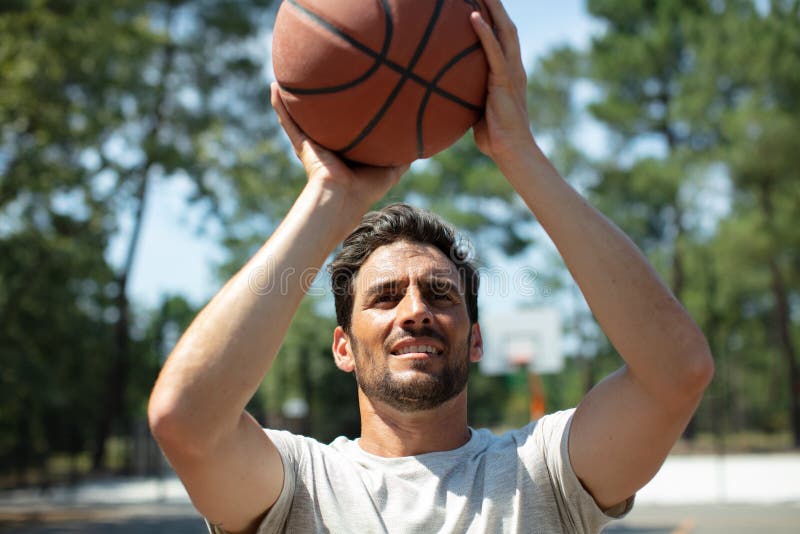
388 432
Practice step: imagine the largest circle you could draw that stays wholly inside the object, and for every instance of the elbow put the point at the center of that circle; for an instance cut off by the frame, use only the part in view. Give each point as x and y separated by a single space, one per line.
161 418
168 426
698 372
683 379
179 426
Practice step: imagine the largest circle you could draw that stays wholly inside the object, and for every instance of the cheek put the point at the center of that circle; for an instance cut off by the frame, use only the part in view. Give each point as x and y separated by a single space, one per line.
371 326
455 318
379 319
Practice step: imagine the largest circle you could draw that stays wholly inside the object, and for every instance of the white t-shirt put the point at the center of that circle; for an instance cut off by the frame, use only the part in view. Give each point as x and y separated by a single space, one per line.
521 481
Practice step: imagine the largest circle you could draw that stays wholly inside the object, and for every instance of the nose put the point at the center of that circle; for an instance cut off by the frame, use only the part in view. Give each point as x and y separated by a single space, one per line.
413 309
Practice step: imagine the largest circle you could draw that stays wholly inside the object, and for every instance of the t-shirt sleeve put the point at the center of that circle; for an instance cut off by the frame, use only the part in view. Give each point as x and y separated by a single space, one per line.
576 506
275 519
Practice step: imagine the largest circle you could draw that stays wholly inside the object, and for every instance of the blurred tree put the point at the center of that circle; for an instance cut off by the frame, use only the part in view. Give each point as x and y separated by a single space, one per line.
700 99
100 99
57 326
640 65
307 361
748 89
159 334
464 186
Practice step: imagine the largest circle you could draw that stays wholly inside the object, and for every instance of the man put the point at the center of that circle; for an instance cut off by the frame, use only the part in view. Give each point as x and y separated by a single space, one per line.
408 332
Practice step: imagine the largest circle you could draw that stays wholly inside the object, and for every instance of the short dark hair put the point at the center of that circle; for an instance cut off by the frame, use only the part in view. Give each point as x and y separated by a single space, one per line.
399 222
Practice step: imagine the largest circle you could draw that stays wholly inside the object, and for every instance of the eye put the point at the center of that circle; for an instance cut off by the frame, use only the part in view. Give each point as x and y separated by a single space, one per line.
387 297
439 295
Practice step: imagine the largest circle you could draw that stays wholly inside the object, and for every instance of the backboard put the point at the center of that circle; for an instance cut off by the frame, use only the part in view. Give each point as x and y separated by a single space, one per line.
530 338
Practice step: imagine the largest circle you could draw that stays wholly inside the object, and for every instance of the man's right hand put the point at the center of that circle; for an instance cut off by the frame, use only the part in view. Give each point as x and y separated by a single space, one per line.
363 185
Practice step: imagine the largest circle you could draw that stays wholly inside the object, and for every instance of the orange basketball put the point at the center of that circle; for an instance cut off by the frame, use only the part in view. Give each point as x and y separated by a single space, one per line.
381 82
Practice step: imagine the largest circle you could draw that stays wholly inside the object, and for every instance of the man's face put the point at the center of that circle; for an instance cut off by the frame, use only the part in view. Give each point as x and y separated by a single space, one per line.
410 340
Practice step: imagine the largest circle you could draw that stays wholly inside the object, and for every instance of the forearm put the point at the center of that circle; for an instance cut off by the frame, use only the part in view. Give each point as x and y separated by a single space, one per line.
660 343
221 359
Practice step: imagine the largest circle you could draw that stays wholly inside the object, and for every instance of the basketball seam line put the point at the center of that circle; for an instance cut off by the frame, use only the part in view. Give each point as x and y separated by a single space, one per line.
424 104
364 48
380 59
399 70
423 43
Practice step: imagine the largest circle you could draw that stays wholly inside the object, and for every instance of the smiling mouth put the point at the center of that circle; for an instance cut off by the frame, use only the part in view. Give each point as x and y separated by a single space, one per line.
417 352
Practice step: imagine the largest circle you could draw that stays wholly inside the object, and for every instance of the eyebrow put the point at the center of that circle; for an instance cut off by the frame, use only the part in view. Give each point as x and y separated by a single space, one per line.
441 284
382 287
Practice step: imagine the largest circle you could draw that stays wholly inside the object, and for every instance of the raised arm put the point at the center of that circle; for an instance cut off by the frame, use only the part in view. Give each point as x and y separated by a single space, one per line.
624 428
231 470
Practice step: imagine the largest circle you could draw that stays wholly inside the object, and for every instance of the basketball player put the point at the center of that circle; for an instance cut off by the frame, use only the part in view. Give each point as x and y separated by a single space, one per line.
408 328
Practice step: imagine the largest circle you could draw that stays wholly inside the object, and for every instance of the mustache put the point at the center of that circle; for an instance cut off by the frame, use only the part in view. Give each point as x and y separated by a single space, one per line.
423 331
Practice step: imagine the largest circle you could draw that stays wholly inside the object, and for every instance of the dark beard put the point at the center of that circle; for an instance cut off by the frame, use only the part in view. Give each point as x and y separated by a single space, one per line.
425 392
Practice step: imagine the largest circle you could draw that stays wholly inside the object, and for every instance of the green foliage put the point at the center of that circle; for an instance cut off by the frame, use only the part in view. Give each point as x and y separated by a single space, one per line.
304 369
158 335
487 398
98 100
466 188
56 337
703 97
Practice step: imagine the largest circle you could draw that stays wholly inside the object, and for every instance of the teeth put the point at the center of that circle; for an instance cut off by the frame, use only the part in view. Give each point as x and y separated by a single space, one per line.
416 349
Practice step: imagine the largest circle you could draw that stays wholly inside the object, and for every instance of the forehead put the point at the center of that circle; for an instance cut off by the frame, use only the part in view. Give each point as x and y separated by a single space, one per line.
403 261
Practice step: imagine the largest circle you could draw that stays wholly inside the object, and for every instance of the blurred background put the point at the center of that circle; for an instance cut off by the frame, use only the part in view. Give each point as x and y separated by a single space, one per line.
141 165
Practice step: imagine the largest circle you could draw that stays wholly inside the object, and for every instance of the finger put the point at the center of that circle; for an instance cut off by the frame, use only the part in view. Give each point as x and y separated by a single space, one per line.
506 29
508 36
296 135
491 48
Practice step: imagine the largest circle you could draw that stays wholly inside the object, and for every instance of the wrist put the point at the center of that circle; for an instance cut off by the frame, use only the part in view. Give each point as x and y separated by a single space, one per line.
331 208
521 160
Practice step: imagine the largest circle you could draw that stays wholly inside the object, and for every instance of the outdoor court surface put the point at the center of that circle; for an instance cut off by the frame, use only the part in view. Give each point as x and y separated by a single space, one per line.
182 519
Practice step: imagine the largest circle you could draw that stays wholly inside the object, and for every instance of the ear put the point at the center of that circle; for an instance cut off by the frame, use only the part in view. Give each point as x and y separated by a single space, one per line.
342 354
476 344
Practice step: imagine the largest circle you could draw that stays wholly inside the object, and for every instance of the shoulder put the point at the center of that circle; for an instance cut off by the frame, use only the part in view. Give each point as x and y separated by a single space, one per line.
549 431
554 427
311 468
543 447
531 447
298 449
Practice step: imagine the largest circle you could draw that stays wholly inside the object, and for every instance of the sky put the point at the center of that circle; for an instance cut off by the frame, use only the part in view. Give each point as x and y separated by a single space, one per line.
172 259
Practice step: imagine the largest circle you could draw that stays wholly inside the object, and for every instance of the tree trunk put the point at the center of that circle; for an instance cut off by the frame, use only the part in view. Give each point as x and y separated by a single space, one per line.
786 345
117 378
782 316
719 404
22 450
